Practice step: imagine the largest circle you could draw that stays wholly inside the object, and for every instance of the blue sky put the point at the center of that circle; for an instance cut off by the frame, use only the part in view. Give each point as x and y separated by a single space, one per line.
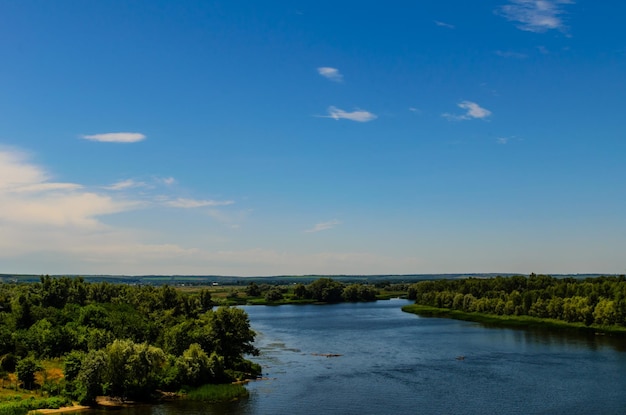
312 137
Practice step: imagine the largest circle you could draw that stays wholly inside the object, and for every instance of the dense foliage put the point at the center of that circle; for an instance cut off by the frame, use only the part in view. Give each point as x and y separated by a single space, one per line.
323 290
121 340
592 301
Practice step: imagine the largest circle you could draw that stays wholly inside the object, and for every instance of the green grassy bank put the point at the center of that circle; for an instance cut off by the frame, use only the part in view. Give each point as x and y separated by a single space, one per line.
17 405
509 321
217 393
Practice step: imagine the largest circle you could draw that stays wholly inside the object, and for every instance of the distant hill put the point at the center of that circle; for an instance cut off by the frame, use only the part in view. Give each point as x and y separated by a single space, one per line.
277 279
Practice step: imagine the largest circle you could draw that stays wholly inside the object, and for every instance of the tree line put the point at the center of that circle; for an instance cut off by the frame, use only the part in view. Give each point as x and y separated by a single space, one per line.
592 301
121 340
323 290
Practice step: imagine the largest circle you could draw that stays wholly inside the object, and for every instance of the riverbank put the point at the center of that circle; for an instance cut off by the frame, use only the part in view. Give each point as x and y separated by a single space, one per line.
290 300
210 393
62 410
510 321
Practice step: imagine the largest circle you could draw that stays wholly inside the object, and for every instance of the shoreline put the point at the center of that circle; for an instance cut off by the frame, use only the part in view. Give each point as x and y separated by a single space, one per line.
102 402
61 410
511 321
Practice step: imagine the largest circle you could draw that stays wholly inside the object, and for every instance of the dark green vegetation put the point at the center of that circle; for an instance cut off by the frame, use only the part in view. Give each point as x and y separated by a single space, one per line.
217 393
16 405
322 290
121 340
538 300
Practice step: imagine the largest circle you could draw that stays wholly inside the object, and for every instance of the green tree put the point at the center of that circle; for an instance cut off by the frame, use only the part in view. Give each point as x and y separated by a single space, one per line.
253 290
26 369
206 302
231 334
133 370
300 291
72 364
326 290
195 367
273 294
91 376
22 313
605 312
351 293
176 339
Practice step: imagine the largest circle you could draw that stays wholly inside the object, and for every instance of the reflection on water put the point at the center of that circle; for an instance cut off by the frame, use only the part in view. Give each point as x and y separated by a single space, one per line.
392 362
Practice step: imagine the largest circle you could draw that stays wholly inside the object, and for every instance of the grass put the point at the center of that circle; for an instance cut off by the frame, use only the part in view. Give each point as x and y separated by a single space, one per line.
217 393
19 406
508 321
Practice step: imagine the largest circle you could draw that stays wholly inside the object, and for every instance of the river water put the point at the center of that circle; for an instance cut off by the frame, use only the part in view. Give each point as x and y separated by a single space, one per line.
371 358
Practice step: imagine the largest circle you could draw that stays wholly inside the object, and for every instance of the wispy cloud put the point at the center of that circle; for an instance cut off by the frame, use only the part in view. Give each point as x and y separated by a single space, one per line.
115 137
415 110
323 226
168 181
193 203
502 140
125 184
443 24
356 115
535 15
330 73
473 111
46 187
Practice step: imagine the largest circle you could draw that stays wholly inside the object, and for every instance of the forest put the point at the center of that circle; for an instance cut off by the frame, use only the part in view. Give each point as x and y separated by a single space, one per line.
74 340
322 290
598 302
126 341
71 339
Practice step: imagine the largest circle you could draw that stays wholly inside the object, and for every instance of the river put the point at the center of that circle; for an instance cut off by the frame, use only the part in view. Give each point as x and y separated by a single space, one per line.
371 358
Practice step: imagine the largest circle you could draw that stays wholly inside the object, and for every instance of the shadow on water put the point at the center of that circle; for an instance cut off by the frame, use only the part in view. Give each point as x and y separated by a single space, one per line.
563 337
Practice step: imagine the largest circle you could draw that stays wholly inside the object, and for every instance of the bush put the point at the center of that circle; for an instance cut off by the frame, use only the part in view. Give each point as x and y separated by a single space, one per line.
21 407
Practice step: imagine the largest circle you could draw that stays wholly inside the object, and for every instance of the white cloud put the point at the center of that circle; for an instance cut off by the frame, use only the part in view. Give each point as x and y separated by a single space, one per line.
473 111
63 209
442 24
125 184
115 137
323 226
192 203
15 172
29 199
27 196
415 110
357 115
52 227
535 15
330 73
168 181
17 175
502 140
